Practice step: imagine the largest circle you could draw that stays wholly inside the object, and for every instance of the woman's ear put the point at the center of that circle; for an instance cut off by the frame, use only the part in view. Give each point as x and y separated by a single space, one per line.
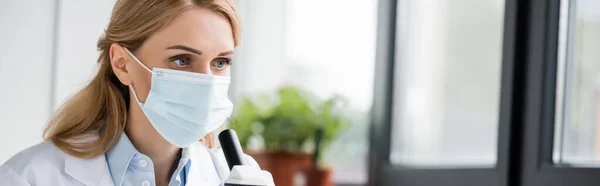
118 62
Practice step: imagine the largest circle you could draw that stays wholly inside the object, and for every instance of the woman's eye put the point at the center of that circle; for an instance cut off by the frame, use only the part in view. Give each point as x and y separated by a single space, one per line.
182 62
221 64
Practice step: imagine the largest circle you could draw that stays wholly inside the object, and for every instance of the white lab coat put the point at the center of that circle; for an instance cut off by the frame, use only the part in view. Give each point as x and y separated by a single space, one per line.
45 164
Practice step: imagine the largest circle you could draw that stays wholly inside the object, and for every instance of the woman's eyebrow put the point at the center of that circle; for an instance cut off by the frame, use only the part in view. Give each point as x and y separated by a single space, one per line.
226 53
186 48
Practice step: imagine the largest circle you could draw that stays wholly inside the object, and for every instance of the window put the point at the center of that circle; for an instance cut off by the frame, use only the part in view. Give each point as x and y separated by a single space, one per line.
326 47
511 59
447 82
558 95
442 107
578 137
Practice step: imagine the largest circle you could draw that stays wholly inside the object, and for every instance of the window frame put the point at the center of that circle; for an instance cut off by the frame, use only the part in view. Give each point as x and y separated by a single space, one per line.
539 116
531 67
381 170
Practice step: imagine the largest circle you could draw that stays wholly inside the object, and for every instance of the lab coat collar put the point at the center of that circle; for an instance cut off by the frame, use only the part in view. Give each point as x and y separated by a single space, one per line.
87 171
204 169
93 171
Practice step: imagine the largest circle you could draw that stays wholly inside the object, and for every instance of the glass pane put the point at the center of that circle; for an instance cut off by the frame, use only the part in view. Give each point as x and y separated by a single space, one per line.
325 50
447 84
579 127
316 47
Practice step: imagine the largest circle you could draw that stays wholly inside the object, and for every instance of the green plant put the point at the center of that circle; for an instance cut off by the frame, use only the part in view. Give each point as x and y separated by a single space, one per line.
247 113
331 119
288 119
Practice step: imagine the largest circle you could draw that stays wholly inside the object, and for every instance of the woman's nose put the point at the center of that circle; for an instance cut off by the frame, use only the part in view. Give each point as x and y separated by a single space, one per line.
204 68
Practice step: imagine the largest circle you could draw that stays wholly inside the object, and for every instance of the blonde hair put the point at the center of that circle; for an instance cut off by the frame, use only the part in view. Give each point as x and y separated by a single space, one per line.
100 108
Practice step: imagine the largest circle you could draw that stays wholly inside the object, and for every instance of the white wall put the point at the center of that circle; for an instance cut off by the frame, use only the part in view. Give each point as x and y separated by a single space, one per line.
261 48
81 23
26 42
32 84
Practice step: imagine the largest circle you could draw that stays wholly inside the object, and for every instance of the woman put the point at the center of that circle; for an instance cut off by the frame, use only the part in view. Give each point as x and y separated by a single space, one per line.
161 86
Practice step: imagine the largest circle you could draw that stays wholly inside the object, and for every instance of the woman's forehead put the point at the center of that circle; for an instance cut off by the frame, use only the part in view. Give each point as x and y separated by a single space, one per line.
197 28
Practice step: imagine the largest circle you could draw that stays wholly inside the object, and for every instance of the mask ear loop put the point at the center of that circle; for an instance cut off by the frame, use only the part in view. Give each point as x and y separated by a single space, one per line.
135 95
137 60
131 86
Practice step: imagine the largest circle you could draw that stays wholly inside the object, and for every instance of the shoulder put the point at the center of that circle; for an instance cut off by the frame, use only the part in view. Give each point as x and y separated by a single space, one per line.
36 160
44 154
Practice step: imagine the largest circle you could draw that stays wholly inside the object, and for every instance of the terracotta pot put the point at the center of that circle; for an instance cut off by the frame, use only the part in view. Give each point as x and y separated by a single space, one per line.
282 165
319 177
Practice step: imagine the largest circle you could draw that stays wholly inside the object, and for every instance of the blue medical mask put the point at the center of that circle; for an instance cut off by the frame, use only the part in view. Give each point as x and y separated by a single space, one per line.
185 106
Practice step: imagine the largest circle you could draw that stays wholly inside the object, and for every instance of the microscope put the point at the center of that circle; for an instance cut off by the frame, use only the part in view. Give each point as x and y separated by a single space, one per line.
241 175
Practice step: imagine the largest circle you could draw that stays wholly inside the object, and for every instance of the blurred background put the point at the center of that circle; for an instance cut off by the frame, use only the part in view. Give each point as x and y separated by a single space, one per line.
446 93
